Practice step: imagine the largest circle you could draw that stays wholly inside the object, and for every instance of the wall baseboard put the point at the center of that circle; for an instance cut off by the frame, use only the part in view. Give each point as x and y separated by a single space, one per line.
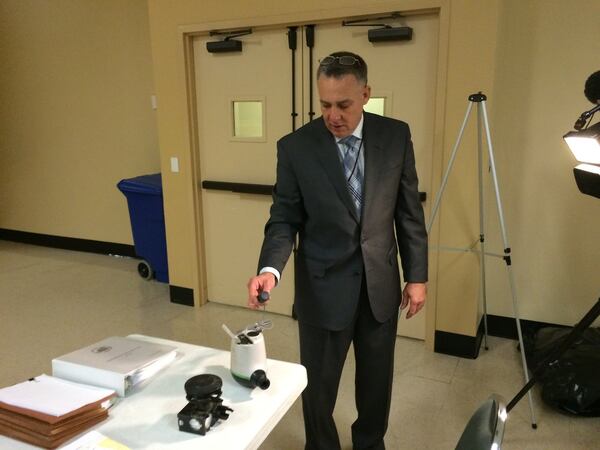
456 344
181 295
506 327
499 326
68 243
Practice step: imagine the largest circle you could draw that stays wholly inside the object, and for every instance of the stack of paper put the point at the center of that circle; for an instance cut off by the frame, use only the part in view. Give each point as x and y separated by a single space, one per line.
119 363
47 411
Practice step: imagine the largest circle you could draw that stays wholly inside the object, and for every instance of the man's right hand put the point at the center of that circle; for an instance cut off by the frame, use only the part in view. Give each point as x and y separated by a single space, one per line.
263 282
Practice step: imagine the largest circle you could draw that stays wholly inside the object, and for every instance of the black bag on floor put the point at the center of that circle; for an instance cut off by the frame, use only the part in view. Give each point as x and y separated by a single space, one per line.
571 383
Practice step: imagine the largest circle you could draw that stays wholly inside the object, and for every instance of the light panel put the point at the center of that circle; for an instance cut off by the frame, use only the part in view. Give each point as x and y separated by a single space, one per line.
585 144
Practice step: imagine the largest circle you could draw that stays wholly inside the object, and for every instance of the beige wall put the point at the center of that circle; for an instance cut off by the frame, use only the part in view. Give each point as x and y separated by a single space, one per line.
470 68
75 115
546 50
540 53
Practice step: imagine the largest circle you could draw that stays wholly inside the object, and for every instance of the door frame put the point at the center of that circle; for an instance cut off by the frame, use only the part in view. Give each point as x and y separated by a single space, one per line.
189 32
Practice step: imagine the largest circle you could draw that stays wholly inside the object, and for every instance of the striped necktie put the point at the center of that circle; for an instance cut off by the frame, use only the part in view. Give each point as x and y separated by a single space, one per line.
354 177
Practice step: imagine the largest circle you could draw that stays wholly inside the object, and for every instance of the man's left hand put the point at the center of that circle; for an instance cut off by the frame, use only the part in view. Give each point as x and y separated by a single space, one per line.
413 296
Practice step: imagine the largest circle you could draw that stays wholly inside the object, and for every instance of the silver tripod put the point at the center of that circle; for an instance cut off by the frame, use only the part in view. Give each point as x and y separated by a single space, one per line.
480 99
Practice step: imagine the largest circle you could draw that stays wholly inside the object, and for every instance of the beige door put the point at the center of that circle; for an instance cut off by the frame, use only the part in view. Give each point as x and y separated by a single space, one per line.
402 77
244 107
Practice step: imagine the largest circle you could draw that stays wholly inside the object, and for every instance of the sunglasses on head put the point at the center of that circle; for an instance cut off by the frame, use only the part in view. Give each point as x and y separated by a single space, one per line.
346 60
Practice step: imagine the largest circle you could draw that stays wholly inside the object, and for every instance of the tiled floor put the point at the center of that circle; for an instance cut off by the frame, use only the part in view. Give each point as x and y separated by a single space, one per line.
53 301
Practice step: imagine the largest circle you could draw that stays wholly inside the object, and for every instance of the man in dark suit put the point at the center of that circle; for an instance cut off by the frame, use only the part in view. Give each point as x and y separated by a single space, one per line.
347 189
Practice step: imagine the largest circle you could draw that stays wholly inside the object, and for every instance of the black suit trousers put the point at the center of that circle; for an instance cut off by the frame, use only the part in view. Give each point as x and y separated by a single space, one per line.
323 353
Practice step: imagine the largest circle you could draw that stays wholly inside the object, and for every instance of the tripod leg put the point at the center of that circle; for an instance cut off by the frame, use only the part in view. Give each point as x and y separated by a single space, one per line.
438 197
507 258
520 333
483 290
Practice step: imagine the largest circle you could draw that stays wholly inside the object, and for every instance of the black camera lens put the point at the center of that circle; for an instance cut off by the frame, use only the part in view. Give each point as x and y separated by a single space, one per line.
259 378
203 386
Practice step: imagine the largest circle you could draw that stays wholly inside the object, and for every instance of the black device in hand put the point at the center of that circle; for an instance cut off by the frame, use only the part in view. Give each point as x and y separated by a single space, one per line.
263 297
205 405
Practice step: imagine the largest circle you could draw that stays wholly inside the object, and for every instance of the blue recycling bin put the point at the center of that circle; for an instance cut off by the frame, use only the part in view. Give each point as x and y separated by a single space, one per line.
145 202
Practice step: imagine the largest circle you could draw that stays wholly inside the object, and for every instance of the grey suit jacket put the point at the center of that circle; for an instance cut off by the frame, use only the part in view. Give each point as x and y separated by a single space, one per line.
336 247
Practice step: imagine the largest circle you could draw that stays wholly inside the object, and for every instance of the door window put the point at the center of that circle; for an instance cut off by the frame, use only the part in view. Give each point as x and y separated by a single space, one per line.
248 119
376 105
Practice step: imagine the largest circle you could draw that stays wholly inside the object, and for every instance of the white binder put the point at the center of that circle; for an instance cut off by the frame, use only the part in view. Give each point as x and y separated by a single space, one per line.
119 363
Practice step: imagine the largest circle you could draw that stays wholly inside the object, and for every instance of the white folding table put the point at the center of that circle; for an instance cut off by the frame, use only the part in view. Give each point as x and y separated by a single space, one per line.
147 418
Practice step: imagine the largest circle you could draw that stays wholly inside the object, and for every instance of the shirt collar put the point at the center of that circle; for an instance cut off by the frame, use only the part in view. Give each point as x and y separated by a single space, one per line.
358 131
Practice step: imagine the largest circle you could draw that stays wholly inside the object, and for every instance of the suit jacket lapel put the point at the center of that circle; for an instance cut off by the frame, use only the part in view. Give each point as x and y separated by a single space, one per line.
328 154
374 163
